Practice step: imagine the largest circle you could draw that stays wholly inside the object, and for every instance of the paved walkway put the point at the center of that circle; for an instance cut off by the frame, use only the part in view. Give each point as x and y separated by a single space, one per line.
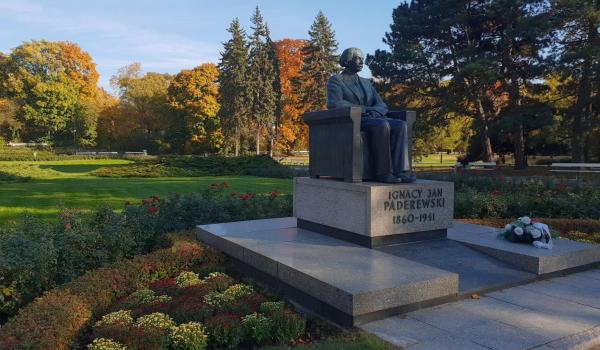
559 313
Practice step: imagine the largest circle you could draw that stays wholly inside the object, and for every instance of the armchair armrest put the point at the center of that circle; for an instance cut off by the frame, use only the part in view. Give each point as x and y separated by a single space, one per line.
408 116
336 115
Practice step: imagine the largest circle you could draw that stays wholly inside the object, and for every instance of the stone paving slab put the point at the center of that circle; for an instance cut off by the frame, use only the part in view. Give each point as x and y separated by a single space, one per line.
565 255
532 316
477 271
350 278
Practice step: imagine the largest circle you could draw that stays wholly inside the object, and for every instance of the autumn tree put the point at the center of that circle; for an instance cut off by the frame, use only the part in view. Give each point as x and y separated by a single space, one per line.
261 77
193 93
233 86
292 132
53 84
144 108
320 62
110 127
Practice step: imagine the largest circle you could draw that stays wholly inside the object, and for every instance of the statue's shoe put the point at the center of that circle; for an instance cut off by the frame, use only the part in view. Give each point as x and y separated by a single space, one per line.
388 179
406 177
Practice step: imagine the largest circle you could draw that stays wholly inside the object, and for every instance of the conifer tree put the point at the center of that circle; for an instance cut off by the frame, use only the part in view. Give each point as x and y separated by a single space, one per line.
577 33
233 87
320 62
261 77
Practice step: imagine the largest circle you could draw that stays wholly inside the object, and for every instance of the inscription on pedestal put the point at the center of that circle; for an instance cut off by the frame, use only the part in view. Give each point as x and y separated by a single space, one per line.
415 205
375 209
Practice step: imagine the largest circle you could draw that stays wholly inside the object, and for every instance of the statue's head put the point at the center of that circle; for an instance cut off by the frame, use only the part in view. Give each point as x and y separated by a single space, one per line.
352 59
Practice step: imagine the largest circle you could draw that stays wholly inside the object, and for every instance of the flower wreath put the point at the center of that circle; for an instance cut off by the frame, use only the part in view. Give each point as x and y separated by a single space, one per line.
526 230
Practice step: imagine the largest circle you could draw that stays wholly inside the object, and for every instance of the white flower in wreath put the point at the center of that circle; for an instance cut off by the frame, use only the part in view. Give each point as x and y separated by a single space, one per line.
518 231
535 233
526 220
508 227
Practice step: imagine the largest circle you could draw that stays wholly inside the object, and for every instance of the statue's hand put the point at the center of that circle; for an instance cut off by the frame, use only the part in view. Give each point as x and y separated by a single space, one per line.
374 114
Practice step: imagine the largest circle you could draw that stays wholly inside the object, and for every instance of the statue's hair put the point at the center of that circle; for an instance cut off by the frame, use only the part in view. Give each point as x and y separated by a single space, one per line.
348 54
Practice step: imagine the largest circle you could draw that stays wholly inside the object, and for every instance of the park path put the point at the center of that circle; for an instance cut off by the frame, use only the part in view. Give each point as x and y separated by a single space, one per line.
558 313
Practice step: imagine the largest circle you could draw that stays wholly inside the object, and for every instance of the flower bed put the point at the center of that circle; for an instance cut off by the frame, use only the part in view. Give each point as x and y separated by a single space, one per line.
189 312
36 256
55 319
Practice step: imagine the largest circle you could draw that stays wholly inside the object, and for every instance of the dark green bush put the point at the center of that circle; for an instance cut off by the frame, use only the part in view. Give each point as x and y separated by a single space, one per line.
495 197
225 331
8 177
287 326
182 166
33 154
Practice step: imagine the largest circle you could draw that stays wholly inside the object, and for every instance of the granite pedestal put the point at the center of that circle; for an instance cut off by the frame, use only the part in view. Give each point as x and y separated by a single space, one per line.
374 214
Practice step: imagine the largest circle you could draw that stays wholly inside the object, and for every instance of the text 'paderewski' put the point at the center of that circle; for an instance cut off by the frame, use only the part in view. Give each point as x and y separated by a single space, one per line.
413 199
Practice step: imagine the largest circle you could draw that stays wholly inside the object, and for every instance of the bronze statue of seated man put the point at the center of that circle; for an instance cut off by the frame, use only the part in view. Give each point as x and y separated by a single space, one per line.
387 138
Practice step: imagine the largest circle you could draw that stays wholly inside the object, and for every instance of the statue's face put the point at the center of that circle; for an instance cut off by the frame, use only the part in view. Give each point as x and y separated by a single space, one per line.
356 62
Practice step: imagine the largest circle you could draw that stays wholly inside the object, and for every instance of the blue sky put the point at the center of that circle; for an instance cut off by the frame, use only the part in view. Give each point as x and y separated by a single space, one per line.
167 36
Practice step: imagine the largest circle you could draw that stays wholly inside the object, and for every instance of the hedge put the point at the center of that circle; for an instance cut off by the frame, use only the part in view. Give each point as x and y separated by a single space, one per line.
55 319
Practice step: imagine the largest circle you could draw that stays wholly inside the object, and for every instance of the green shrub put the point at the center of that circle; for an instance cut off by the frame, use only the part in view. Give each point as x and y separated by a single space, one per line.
106 344
189 336
287 326
225 331
271 307
155 320
187 279
257 327
118 317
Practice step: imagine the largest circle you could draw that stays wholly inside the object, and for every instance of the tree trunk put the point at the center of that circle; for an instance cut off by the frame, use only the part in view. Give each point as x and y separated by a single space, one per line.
257 140
518 132
237 141
487 143
583 106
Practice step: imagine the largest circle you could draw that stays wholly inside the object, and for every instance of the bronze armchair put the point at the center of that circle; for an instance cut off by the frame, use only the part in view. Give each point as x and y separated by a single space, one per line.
337 146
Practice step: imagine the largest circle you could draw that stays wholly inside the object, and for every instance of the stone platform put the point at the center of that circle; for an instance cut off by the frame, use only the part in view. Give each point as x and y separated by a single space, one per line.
349 284
565 255
343 282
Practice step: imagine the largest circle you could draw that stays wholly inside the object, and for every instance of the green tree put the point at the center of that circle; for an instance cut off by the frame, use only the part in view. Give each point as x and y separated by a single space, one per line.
521 30
194 93
438 64
320 62
577 56
48 81
233 85
261 77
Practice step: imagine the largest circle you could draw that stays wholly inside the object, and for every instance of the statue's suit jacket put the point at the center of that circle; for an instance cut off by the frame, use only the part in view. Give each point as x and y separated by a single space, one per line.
342 94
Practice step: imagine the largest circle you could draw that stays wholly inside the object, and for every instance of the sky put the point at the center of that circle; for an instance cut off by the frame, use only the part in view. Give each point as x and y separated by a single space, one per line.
168 36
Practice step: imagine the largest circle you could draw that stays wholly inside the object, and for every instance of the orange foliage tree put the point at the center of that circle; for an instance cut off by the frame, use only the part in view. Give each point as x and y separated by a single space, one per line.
292 132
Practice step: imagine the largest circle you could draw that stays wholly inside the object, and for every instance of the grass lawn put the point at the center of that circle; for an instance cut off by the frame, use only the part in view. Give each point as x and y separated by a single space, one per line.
68 184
